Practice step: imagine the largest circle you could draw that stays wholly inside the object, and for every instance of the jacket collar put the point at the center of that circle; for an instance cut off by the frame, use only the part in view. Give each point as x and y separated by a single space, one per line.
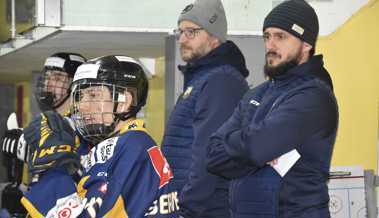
226 53
133 124
313 67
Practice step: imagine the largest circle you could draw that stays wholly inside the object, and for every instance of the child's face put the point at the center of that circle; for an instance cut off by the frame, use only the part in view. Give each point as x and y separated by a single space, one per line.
57 83
95 103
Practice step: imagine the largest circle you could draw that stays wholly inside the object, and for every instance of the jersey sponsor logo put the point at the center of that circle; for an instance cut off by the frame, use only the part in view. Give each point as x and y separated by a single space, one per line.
102 174
67 207
65 212
104 150
88 160
165 204
99 154
161 166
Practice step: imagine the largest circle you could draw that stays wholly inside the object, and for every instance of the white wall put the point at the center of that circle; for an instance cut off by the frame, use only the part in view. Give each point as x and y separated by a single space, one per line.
334 13
244 16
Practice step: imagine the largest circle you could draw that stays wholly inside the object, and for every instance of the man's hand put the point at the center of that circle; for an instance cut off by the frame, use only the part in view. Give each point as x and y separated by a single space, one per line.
52 144
273 162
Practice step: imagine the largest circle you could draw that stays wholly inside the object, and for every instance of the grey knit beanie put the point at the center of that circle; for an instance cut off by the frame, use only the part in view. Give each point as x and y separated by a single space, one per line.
296 17
208 14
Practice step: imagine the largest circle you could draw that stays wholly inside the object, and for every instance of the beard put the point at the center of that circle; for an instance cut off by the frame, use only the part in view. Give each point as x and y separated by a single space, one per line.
190 54
282 68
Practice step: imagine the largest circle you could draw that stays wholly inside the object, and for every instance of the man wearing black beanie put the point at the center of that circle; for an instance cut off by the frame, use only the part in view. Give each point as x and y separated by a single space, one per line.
277 146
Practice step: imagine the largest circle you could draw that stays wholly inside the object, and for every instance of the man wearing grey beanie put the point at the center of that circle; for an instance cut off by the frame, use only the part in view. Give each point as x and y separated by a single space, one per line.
277 146
214 83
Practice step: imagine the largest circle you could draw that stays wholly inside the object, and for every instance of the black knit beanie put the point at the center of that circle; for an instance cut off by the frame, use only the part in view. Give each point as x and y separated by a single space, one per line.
296 17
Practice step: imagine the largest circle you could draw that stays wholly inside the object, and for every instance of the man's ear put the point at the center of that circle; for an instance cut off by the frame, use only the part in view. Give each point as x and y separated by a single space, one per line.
306 47
215 42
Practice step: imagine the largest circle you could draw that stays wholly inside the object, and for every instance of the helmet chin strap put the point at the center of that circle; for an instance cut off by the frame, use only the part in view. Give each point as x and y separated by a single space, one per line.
124 116
45 101
61 102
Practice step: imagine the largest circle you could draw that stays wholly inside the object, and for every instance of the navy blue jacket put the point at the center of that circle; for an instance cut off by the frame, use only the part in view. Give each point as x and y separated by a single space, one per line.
213 86
297 110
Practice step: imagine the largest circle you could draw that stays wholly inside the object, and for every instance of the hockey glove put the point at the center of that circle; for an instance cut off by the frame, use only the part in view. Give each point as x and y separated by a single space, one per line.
52 144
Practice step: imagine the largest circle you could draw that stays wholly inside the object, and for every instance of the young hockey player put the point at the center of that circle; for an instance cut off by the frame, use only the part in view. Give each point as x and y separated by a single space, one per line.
125 173
51 93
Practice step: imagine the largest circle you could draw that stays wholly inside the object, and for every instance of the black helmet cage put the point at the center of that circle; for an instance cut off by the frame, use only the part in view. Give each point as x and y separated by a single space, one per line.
59 69
118 77
51 95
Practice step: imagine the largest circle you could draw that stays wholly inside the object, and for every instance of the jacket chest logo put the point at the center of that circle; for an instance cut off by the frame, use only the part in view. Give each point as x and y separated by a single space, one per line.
187 92
254 102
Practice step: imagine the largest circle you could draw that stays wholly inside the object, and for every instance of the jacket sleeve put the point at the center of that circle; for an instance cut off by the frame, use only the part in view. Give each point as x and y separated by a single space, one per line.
214 105
289 124
219 162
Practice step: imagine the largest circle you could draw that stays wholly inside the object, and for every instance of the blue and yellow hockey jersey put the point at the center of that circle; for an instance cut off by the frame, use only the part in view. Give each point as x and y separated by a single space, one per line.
127 175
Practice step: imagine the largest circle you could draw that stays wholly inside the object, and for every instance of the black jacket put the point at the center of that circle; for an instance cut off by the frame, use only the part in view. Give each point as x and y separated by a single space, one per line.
297 110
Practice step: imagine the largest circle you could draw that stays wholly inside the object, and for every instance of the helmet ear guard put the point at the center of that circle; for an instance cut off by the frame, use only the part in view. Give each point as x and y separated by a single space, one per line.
121 75
134 106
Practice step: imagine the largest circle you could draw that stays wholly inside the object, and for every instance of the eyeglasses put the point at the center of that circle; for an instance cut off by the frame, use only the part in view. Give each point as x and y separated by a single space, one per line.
190 33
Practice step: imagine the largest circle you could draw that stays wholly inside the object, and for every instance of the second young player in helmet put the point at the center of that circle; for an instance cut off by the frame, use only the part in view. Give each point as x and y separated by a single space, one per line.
52 92
53 86
125 173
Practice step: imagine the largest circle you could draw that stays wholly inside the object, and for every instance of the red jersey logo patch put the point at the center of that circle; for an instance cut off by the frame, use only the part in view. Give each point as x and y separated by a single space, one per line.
161 166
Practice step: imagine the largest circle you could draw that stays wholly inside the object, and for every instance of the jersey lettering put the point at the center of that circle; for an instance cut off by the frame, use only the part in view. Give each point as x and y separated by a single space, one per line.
166 204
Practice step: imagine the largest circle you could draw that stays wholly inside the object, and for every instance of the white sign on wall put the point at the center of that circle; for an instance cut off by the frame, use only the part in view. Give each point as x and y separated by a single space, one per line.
347 193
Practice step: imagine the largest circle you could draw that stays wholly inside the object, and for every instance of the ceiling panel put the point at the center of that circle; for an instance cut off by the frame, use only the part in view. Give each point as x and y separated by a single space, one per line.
90 44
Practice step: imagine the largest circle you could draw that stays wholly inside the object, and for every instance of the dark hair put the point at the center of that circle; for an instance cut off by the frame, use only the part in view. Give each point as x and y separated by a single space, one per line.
312 52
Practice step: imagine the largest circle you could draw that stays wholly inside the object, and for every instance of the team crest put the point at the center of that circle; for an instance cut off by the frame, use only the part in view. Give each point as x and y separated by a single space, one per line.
187 92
